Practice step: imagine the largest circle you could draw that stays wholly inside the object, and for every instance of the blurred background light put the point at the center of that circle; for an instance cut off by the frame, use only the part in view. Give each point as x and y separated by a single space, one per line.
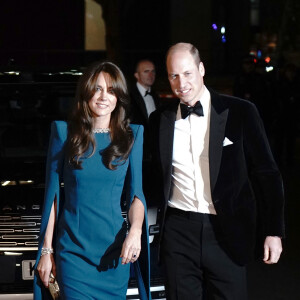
214 26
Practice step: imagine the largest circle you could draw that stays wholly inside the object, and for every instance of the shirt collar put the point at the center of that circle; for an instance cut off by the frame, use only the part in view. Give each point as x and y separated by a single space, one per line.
141 89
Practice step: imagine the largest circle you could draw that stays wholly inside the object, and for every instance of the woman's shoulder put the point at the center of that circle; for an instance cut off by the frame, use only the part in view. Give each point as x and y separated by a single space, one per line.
60 124
137 130
60 128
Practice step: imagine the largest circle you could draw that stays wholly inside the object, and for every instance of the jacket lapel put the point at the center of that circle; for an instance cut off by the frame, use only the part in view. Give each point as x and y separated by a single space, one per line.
218 119
142 105
166 136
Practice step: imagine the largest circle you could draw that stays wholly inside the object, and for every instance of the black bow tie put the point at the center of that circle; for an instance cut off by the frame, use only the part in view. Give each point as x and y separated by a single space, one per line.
148 93
187 110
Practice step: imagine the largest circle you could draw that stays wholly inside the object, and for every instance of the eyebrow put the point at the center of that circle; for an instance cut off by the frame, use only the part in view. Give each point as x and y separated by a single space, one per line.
184 72
107 87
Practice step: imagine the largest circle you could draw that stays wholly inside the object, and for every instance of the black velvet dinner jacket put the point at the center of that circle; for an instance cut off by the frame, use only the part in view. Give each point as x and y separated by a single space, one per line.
246 185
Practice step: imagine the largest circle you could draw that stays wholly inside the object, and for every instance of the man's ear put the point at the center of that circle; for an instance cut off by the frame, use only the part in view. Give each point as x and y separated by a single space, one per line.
136 75
201 69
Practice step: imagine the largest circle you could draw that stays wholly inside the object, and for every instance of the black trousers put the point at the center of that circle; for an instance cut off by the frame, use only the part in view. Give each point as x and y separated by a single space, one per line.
196 267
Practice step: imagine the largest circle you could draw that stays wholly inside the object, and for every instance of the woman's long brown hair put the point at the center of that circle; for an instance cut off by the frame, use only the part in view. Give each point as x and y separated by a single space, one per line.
80 125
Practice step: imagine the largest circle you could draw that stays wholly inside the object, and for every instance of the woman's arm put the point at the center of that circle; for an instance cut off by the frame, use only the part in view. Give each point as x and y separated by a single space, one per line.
46 263
132 245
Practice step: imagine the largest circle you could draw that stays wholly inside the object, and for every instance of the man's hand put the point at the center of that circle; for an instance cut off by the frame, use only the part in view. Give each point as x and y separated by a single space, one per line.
272 249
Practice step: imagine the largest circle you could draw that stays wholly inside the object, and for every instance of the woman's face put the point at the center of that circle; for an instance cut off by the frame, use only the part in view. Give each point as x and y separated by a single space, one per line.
104 100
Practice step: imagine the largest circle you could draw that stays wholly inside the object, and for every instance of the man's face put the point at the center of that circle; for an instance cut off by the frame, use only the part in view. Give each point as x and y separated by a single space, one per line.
145 74
185 77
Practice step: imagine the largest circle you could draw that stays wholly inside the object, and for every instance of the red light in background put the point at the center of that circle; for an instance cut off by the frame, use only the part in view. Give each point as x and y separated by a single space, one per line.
267 59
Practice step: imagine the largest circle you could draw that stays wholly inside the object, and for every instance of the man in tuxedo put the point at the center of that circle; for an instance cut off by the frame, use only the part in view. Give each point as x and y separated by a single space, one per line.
219 182
144 101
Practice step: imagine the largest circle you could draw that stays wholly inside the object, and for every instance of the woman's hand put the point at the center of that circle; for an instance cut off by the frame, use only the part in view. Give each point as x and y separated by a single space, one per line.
132 246
45 266
46 263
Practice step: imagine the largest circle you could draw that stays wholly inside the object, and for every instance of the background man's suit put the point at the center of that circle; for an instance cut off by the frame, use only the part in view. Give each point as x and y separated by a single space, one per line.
139 116
245 181
139 113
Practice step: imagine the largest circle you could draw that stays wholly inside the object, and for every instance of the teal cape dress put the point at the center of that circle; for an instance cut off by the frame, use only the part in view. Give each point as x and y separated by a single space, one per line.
90 228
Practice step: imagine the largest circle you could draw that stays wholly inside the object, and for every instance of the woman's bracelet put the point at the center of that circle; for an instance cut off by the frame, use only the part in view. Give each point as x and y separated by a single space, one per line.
47 251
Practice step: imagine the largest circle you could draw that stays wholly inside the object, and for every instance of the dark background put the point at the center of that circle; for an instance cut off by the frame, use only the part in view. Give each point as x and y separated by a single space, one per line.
51 33
38 36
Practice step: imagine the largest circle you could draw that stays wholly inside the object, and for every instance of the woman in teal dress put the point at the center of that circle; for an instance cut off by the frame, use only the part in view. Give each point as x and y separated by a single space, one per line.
84 240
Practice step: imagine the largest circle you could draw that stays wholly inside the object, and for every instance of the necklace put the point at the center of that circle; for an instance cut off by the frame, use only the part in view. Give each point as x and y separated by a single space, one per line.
101 130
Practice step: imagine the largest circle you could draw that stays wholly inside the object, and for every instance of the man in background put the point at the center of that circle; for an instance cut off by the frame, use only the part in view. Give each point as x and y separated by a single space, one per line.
144 101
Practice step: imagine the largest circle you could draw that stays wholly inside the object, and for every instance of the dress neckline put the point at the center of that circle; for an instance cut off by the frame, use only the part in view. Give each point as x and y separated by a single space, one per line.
101 130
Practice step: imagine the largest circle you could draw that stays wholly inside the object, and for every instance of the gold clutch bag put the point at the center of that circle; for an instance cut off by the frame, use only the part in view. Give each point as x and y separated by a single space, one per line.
53 287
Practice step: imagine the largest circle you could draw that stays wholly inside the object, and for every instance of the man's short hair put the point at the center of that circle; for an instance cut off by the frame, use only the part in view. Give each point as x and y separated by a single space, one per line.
188 47
141 61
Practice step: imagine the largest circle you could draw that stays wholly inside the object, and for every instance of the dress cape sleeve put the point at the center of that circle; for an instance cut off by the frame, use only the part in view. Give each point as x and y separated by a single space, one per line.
142 266
54 170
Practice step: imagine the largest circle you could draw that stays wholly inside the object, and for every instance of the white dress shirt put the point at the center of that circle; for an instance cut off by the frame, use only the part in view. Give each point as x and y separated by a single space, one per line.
149 102
190 189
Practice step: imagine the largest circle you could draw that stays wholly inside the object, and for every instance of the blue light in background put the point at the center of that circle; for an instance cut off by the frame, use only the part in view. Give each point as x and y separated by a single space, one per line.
258 54
214 26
